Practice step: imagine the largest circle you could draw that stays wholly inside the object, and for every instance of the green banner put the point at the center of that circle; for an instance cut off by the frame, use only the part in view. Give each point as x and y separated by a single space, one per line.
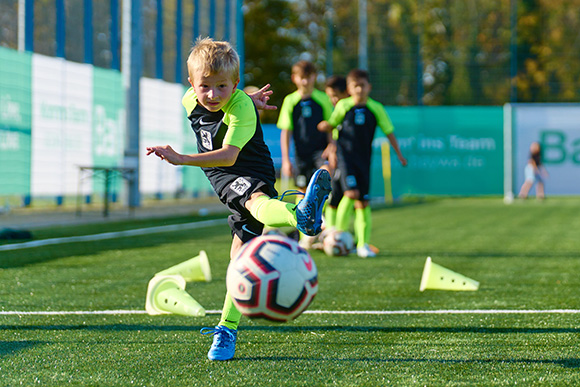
451 150
108 140
15 122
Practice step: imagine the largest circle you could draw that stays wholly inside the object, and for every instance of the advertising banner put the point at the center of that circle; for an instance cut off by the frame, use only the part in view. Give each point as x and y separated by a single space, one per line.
108 126
61 124
557 128
451 150
15 122
161 116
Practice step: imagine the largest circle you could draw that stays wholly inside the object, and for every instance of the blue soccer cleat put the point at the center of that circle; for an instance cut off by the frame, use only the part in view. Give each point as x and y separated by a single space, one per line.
309 210
224 342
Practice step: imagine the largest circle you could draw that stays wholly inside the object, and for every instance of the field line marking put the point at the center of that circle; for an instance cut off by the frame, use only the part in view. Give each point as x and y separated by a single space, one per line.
112 235
334 312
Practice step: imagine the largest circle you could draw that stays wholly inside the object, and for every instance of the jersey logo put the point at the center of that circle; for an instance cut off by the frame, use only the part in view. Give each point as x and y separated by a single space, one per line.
359 117
240 186
246 229
306 109
202 122
206 139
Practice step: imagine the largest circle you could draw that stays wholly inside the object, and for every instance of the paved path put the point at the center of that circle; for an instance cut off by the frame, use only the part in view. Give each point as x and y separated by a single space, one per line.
31 218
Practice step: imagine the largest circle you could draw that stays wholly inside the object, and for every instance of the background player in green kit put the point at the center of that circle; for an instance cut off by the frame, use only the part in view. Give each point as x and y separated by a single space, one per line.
300 114
237 162
358 116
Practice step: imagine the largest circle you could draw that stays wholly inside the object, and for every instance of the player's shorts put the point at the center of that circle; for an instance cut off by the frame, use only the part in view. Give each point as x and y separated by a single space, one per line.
234 196
336 194
531 175
357 177
305 168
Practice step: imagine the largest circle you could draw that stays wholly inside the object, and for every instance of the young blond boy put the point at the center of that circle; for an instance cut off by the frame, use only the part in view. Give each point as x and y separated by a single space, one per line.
358 116
237 162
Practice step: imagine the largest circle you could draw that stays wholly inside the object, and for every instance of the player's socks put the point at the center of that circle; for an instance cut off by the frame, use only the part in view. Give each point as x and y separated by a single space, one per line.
362 226
344 213
330 217
273 212
230 315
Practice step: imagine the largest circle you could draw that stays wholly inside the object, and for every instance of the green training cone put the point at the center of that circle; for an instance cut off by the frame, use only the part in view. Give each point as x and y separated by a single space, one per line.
438 277
194 269
166 294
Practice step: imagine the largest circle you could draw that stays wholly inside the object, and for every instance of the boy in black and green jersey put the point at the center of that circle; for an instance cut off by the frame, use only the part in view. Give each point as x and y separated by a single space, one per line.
237 162
299 116
358 116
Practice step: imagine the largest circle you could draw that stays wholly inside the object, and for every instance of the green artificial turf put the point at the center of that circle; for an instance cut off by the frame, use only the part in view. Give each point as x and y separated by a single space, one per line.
526 256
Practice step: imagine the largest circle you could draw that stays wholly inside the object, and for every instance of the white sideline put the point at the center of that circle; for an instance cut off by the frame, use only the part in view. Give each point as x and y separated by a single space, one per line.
335 312
112 235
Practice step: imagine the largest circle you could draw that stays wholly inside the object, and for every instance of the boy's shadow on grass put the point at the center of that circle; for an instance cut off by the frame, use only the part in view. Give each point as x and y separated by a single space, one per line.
11 347
566 363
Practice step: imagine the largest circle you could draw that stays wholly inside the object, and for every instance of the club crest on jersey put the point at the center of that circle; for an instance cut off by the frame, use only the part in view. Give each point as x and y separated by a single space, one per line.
240 186
306 109
359 117
206 139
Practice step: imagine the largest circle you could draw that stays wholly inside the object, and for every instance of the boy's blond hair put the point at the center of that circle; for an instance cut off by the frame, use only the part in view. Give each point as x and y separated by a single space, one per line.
210 57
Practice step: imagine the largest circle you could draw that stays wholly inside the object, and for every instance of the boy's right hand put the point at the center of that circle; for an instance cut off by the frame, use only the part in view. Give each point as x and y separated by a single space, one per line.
164 152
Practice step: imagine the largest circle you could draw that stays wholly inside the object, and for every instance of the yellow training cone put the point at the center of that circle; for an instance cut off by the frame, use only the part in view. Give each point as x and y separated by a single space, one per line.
166 294
438 277
194 269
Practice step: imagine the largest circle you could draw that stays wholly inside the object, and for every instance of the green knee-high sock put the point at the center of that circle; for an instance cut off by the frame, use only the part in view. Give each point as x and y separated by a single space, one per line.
330 217
362 225
230 315
344 213
274 212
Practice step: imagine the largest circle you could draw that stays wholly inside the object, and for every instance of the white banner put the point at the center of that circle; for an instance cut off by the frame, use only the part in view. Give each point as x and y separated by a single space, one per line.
61 124
161 124
557 128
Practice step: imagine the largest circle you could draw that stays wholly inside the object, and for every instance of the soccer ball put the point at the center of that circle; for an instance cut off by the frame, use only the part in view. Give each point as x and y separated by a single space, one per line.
272 277
338 243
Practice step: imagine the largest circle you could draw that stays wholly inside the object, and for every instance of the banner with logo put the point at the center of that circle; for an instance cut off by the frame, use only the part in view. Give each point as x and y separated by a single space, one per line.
161 124
108 126
557 128
451 150
62 124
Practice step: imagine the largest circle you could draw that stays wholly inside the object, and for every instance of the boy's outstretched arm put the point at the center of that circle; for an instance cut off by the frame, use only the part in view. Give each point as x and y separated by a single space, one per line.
223 157
261 98
395 144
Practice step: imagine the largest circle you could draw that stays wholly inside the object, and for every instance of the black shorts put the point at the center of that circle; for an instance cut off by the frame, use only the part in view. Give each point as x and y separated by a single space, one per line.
354 176
234 196
305 168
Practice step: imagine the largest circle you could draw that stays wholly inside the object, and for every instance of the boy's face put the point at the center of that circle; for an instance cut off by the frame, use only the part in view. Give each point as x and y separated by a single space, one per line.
213 91
359 89
335 95
304 83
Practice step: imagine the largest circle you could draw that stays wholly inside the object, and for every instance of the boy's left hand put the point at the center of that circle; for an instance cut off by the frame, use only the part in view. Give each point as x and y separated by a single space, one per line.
261 98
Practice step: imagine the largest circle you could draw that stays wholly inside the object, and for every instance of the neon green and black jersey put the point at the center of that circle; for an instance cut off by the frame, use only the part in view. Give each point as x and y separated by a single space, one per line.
358 124
235 124
302 116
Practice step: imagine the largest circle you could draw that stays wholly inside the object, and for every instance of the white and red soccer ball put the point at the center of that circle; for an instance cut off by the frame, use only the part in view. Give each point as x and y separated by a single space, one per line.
338 243
272 277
